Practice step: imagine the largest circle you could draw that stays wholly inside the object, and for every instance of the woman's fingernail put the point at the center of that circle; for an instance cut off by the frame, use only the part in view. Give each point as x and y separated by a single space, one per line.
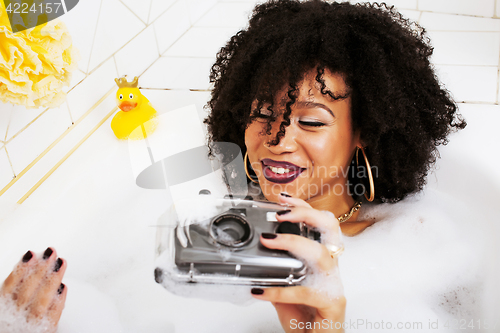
267 235
257 291
27 256
58 265
47 253
61 288
286 195
283 212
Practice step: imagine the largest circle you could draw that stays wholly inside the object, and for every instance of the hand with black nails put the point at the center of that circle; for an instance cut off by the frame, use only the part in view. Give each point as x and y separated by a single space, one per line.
35 286
299 305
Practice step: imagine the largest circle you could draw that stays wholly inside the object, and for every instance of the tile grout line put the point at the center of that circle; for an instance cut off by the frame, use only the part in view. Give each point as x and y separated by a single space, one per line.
70 115
469 31
498 75
7 128
10 161
152 23
156 40
149 11
68 154
39 157
161 14
114 53
116 66
93 39
133 13
25 126
465 65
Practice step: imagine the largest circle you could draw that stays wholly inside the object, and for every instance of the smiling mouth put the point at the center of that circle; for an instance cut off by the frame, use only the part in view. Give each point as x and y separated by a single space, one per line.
280 172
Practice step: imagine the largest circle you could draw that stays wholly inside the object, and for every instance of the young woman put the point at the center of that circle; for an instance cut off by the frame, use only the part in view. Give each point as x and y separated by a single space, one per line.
330 103
312 91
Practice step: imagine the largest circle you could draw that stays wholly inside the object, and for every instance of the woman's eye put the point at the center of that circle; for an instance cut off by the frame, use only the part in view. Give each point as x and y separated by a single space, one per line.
131 96
311 123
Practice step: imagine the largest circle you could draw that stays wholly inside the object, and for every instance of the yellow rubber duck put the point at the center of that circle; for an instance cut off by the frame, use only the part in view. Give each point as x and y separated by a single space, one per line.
136 112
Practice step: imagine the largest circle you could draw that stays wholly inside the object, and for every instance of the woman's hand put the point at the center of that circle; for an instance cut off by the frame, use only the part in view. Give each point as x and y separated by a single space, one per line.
35 287
301 308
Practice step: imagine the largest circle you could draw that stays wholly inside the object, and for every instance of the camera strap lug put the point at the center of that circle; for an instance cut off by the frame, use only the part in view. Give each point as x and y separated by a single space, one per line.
191 272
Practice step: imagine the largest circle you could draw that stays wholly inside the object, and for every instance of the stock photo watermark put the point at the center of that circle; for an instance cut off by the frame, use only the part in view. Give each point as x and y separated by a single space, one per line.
382 325
27 14
321 184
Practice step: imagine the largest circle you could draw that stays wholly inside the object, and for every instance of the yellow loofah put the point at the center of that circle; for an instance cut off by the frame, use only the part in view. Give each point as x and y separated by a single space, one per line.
35 63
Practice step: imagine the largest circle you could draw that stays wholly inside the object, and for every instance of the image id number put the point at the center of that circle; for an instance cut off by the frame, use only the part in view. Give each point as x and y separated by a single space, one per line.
40 8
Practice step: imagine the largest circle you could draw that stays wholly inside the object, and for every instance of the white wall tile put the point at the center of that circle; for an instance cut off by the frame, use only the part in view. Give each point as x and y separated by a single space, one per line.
5 110
25 147
452 22
498 90
227 15
6 173
87 93
178 73
81 22
169 100
20 117
470 84
497 8
138 54
76 77
116 27
201 42
140 8
158 7
413 15
198 8
466 7
172 25
465 48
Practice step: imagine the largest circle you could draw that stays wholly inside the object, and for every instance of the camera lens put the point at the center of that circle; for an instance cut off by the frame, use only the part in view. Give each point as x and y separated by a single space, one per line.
230 230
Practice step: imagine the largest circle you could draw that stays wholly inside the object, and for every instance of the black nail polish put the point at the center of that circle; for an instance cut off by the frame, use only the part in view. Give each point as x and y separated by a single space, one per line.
286 195
257 291
47 253
283 212
27 257
58 265
61 288
267 235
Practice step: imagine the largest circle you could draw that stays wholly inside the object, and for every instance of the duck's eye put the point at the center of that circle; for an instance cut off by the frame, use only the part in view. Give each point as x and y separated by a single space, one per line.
131 96
121 96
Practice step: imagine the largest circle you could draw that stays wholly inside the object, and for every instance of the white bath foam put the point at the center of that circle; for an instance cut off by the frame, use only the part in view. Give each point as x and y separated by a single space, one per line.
14 320
422 245
88 310
390 310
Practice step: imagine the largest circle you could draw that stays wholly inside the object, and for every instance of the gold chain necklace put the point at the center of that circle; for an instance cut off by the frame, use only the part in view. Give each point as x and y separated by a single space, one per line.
347 216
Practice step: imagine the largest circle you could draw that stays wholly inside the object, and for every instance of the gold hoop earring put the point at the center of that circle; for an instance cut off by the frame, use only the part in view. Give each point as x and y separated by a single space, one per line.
370 175
246 169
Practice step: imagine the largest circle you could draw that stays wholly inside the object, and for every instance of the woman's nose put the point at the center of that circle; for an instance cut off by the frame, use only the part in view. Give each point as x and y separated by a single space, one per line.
288 142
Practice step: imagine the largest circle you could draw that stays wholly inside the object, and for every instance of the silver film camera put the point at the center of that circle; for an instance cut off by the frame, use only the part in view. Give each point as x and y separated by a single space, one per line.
226 248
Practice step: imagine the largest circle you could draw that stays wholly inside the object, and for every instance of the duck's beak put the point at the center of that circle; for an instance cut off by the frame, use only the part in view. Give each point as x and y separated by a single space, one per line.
127 106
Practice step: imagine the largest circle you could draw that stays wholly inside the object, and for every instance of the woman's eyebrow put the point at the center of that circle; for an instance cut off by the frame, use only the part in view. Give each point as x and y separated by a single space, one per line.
315 105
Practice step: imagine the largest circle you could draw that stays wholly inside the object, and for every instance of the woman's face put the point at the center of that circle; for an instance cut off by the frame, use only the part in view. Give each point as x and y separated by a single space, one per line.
312 159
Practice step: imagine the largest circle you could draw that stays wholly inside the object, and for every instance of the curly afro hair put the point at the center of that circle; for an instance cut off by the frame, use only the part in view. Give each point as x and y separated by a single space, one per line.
398 105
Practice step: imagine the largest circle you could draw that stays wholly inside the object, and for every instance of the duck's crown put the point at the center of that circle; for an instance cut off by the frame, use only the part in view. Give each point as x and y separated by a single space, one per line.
123 83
